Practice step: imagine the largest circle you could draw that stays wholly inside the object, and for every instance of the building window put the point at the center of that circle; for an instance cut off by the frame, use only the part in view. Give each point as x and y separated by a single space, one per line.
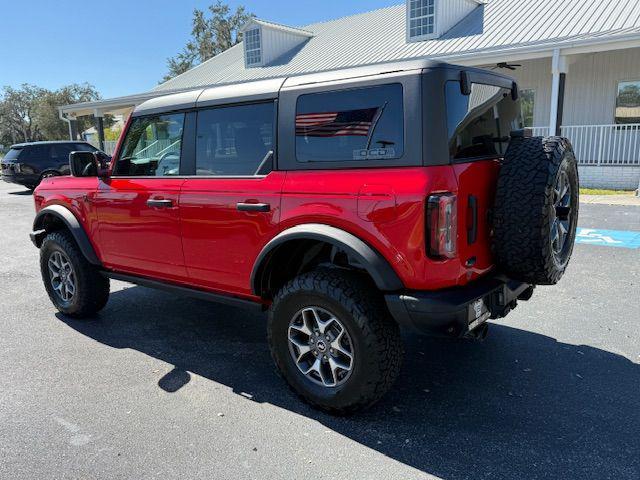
422 18
628 103
527 102
253 47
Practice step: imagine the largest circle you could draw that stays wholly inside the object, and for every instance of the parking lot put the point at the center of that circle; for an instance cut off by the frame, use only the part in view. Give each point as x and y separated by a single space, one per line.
167 387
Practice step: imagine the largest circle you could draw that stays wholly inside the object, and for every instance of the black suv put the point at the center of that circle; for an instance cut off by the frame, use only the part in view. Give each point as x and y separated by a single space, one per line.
28 163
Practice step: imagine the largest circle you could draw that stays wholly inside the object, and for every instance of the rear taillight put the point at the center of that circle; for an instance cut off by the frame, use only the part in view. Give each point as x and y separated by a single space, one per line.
442 221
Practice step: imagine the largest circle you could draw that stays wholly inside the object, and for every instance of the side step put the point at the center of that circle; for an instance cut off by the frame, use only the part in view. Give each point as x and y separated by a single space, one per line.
185 291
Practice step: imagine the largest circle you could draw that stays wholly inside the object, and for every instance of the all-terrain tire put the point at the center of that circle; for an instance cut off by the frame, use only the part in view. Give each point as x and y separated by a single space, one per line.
375 336
529 214
91 288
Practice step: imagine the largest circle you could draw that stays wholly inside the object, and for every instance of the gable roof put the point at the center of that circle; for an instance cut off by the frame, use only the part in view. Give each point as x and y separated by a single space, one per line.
380 36
276 26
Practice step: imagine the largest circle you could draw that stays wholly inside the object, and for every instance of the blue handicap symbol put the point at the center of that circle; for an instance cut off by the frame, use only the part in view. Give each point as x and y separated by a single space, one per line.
608 238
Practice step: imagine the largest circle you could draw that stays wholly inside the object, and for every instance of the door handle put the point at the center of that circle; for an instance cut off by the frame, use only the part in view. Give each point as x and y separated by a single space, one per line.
253 207
159 203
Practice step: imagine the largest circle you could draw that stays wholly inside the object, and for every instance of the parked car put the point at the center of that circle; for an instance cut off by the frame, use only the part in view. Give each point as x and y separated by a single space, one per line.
348 204
28 163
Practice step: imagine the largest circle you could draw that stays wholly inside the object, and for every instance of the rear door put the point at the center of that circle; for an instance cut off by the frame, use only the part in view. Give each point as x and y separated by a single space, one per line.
138 206
230 209
479 125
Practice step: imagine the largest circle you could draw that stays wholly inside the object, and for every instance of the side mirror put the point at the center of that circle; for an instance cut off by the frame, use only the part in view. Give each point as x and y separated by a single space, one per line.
88 164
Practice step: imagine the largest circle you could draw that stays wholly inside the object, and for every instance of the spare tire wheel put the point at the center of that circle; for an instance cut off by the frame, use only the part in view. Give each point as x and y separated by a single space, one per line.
536 209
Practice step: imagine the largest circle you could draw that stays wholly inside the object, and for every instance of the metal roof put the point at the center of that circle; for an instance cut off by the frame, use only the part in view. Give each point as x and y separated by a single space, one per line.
276 26
380 36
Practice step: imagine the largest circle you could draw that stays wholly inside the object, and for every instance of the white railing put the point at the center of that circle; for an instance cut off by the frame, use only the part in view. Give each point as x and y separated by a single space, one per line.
110 146
540 131
601 144
605 144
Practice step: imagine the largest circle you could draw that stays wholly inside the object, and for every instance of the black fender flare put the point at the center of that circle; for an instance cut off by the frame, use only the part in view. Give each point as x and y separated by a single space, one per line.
383 275
73 225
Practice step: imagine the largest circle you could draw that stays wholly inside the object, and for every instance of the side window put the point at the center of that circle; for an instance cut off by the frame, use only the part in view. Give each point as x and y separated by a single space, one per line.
83 147
59 152
152 147
37 153
234 140
479 124
360 124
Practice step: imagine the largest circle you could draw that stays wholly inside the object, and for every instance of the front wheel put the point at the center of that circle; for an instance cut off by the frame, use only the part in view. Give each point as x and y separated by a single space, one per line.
75 287
333 340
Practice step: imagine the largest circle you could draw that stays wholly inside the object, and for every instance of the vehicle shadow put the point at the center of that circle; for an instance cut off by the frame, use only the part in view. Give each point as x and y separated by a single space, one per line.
519 405
25 193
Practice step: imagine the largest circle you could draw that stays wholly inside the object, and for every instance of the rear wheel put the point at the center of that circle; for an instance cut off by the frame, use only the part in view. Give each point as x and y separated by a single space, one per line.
75 287
333 340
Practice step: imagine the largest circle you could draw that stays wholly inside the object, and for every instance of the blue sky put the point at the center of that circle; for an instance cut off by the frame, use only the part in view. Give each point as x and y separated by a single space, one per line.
121 46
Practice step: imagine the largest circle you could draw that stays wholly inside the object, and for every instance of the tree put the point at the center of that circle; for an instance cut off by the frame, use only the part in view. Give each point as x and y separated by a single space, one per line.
30 113
18 113
209 37
47 113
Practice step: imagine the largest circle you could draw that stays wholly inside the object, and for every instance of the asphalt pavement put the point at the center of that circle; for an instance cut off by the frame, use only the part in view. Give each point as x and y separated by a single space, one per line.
166 387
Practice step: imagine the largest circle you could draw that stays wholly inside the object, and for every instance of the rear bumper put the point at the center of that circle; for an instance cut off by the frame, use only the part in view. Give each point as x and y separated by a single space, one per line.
454 312
21 179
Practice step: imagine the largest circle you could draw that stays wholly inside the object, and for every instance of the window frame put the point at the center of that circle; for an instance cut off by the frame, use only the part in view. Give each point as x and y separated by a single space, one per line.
318 162
189 139
615 101
478 81
427 36
254 49
183 148
411 82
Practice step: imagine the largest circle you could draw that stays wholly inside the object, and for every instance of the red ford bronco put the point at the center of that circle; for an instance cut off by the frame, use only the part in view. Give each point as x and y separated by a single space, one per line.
348 204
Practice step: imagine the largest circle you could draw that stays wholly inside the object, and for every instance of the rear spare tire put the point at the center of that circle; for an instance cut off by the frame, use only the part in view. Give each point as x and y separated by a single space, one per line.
536 209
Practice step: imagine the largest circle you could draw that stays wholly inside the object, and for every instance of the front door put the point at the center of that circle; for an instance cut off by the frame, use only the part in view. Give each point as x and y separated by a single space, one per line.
231 208
138 206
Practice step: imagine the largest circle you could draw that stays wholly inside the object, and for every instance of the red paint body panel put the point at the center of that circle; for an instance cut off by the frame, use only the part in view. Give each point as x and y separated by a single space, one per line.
392 202
221 243
205 242
136 238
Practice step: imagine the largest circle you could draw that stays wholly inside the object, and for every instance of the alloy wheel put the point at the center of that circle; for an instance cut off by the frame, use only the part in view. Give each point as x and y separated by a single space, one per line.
62 276
561 224
321 347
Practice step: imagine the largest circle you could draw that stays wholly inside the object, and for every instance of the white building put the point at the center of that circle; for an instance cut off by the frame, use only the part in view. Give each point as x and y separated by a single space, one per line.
577 63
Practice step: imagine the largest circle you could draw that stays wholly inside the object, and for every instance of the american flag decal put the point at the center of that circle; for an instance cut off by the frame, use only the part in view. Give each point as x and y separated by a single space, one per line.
336 124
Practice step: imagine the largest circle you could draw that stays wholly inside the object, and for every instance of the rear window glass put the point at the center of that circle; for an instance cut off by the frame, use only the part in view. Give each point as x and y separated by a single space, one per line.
350 125
13 154
479 124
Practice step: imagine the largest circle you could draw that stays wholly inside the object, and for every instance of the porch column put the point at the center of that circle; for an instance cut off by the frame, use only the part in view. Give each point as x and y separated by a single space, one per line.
73 129
559 69
99 116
